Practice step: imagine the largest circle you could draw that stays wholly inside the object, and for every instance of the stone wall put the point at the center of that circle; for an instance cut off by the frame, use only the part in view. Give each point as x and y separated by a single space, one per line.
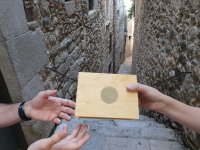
47 42
167 54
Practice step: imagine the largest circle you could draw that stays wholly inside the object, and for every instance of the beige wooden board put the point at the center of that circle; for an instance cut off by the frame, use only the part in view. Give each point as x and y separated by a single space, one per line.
105 96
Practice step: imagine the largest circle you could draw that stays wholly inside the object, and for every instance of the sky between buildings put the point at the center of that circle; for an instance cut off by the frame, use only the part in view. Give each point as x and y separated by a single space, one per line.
128 4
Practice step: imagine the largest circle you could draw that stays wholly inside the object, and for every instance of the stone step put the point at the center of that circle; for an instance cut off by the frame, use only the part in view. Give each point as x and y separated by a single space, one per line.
142 134
143 124
141 130
137 132
142 117
119 123
102 143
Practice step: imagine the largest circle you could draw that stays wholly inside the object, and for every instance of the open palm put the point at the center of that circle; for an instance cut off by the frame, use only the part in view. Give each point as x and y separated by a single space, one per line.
46 107
62 141
75 140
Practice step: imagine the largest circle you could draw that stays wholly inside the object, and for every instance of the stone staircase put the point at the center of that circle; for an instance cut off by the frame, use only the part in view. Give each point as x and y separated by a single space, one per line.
142 134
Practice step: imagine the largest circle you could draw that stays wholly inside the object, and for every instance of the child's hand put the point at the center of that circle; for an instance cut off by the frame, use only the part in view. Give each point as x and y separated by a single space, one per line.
149 97
62 141
75 140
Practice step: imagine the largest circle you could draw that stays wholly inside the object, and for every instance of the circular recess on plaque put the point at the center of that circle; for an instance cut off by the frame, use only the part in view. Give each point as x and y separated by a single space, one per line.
109 95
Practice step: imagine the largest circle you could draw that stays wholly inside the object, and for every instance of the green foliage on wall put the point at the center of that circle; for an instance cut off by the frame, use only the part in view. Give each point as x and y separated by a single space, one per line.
131 11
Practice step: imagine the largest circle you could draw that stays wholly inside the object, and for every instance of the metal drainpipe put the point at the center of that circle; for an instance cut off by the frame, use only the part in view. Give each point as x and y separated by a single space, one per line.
114 34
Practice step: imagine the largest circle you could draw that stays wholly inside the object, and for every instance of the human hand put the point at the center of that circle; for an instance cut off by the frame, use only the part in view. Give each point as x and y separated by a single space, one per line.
46 107
149 97
62 141
75 140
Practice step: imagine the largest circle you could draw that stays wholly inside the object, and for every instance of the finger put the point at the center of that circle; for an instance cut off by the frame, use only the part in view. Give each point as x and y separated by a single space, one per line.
68 110
76 131
53 98
48 93
82 131
69 103
57 121
136 87
57 137
82 141
64 116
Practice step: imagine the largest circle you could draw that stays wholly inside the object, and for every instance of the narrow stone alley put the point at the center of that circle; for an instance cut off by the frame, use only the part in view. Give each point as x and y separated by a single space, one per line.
125 68
142 134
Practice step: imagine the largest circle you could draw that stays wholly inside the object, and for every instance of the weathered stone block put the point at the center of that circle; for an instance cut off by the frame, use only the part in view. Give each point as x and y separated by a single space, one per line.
165 145
64 67
72 89
70 8
74 55
65 43
126 144
74 69
12 18
32 88
28 55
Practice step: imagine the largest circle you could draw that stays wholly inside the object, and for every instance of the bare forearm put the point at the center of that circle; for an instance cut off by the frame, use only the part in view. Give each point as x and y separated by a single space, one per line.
182 113
9 115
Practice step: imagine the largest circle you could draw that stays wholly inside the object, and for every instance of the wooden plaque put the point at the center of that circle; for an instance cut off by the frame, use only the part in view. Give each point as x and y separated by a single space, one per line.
105 96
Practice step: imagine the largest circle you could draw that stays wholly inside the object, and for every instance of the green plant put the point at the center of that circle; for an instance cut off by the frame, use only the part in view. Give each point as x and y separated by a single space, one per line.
131 11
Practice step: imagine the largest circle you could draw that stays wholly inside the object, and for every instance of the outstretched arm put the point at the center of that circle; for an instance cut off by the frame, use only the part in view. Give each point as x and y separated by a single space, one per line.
44 106
152 99
8 115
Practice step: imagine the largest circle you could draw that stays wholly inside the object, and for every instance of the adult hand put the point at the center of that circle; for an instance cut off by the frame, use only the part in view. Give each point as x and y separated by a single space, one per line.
62 141
46 107
149 97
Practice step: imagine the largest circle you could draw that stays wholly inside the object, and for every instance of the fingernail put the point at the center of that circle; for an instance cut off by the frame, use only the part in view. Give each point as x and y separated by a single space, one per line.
128 86
69 118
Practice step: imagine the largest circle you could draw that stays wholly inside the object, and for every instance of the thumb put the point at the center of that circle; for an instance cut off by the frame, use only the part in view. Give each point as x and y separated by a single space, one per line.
57 137
48 93
136 87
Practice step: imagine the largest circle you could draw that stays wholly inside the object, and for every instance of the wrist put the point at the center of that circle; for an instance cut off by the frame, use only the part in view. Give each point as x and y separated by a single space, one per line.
27 109
167 103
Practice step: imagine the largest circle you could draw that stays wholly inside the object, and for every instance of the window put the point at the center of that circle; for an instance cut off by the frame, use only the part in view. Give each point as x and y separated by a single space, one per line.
91 4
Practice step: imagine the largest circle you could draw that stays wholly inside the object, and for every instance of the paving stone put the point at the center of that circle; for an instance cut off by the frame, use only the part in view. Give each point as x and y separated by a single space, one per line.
28 55
165 145
95 143
137 132
127 123
33 88
12 18
124 69
109 129
142 117
119 123
126 144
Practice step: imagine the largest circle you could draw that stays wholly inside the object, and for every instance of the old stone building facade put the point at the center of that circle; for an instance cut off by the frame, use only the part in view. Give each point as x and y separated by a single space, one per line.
45 43
167 53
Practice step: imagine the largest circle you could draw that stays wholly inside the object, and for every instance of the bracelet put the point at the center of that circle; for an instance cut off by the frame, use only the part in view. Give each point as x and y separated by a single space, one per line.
21 112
